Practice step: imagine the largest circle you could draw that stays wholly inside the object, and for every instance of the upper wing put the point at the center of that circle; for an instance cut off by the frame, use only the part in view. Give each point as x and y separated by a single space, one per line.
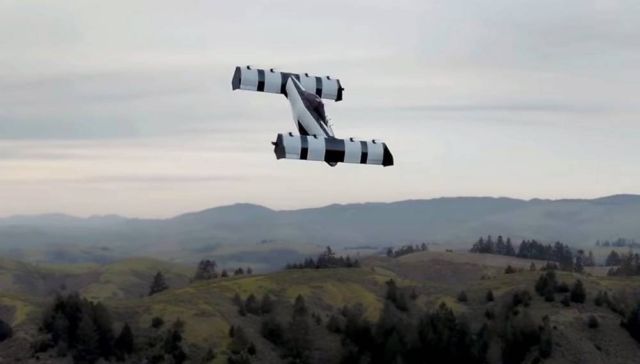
254 79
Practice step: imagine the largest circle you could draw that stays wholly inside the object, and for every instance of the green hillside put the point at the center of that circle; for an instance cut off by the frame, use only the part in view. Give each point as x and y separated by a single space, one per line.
208 311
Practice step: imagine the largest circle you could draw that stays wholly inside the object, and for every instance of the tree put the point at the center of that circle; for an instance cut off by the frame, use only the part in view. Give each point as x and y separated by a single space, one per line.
532 267
224 273
209 356
158 284
442 338
509 270
173 342
206 270
592 322
549 294
298 343
272 330
578 293
5 331
87 349
266 304
489 296
632 323
546 282
240 348
545 345
157 322
462 296
123 344
510 251
601 298
613 259
251 305
104 328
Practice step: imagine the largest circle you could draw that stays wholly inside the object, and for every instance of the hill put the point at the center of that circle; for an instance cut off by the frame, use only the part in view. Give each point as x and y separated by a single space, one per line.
450 221
208 311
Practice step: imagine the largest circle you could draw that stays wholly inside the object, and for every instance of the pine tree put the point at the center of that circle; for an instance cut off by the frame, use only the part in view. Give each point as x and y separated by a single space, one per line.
510 250
298 343
266 304
104 328
578 293
240 348
87 349
157 322
613 259
251 305
173 343
206 270
158 284
5 331
545 346
489 296
123 344
632 323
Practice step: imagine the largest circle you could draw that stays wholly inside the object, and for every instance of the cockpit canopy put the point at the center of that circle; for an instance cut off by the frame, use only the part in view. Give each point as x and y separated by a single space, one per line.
316 105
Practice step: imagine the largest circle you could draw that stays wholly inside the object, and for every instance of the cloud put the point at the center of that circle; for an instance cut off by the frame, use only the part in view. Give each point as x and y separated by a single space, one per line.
114 107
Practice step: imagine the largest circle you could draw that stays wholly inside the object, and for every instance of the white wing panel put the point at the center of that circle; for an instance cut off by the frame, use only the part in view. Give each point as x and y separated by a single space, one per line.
316 149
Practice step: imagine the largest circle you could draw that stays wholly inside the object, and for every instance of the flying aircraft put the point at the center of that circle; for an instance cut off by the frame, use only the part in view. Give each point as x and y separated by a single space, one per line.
316 141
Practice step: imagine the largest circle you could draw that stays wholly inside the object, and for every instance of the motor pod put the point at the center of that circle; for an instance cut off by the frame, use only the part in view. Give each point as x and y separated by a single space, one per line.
332 150
272 81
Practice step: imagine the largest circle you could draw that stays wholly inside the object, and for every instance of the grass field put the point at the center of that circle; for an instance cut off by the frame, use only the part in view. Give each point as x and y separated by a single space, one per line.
207 309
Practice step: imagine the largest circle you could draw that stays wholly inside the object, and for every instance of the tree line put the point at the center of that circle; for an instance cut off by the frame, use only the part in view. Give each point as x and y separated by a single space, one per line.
406 249
82 330
532 249
619 243
626 264
327 259
206 270
75 327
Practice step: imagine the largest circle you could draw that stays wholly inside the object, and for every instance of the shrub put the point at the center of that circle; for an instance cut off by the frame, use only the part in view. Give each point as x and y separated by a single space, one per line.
509 270
549 295
251 305
578 293
5 331
272 330
521 298
562 287
462 296
601 298
632 323
489 314
157 322
489 296
566 302
592 322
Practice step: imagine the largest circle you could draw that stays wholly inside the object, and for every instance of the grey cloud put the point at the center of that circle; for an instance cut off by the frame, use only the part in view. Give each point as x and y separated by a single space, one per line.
130 179
552 108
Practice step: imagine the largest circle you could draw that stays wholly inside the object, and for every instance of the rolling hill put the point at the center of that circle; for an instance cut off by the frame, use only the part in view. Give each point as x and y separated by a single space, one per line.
208 311
452 221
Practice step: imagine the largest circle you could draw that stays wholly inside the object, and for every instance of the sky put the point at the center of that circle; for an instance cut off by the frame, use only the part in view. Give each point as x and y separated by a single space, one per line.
126 107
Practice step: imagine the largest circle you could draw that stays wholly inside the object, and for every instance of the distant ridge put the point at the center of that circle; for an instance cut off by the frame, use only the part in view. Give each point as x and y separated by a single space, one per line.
449 220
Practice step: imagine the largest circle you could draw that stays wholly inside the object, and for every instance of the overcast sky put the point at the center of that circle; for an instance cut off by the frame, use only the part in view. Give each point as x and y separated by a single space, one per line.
126 106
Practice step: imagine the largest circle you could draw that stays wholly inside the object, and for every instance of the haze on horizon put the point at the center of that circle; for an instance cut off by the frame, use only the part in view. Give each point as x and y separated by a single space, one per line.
127 108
